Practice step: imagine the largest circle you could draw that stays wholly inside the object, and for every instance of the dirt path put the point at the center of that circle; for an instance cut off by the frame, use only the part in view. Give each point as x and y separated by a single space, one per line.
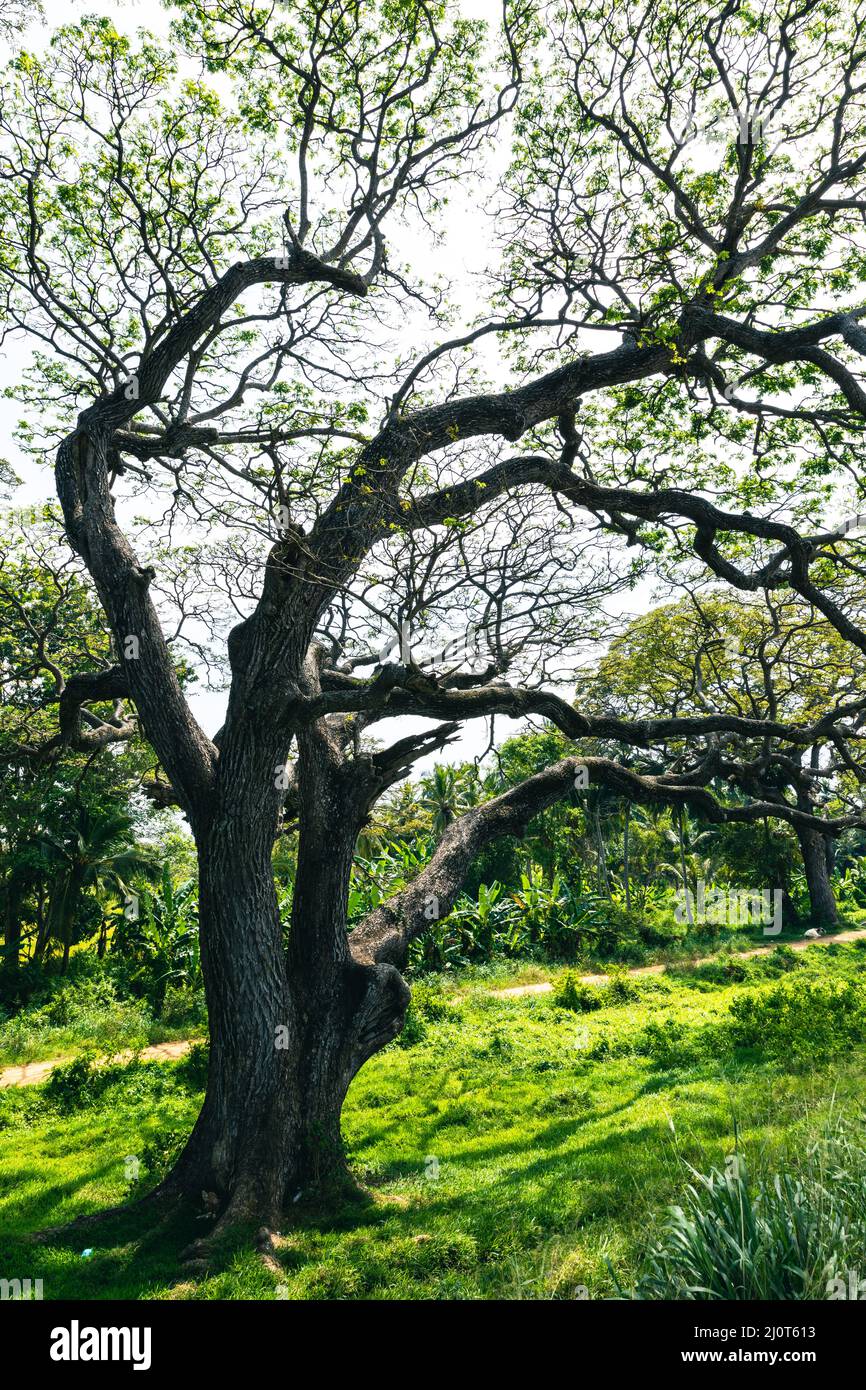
30 1073
546 987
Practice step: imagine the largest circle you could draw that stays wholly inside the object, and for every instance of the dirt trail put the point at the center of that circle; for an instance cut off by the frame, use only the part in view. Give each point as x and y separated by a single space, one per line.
30 1073
546 987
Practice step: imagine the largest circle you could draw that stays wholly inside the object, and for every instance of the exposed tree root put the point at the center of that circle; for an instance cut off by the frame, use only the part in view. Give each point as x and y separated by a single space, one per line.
241 1216
267 1251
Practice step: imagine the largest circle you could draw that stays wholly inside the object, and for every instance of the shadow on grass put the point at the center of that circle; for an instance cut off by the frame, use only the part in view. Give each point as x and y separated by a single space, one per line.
537 1177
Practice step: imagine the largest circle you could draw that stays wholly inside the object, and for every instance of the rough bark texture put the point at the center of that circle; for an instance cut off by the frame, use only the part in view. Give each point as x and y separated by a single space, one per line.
12 928
814 851
290 1023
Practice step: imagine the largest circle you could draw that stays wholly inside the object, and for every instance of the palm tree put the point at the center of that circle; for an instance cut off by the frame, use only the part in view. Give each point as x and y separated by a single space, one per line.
691 865
440 796
448 792
95 853
399 816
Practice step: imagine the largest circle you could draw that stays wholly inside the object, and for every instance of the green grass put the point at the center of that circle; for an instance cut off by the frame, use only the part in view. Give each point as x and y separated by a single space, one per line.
515 1149
88 1009
87 1013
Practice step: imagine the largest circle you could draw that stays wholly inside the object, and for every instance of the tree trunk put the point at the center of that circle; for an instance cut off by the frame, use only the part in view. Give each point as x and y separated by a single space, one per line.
289 1026
12 929
684 872
603 878
68 905
821 898
790 915
43 925
625 846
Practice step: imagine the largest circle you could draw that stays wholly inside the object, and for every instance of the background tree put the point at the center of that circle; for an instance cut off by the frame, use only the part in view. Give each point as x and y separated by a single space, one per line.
64 813
764 658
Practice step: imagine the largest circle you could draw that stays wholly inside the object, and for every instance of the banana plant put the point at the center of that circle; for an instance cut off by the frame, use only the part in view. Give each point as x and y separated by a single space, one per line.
163 937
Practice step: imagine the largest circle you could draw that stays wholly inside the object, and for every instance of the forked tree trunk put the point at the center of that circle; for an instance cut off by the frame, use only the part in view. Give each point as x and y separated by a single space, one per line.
290 1026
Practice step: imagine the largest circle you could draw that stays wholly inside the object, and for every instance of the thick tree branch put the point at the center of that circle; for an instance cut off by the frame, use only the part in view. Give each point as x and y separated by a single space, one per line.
384 935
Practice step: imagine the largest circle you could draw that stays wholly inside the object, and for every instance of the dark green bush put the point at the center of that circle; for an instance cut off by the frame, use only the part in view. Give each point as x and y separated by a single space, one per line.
192 1069
620 987
668 1042
784 959
74 1085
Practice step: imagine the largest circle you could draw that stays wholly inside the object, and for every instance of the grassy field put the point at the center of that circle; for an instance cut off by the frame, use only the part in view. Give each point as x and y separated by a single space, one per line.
509 1148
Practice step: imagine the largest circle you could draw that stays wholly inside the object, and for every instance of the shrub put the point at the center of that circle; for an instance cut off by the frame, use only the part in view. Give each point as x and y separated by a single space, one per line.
785 958
193 1068
432 1004
184 1006
667 1041
800 1017
620 987
735 971
157 1158
82 1010
790 1236
427 1005
73 1085
572 993
445 945
84 1082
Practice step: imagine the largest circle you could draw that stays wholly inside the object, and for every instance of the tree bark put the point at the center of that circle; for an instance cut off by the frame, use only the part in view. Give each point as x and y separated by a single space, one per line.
43 926
12 927
684 872
603 877
290 1024
625 847
821 897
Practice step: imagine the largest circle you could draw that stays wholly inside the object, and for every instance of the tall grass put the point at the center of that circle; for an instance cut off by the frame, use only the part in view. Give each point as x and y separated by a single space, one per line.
792 1235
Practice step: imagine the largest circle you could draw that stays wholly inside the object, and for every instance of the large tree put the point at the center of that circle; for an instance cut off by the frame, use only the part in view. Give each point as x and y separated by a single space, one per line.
231 338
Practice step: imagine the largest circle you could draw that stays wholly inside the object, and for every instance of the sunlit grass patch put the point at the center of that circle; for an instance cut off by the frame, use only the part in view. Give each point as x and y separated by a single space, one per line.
506 1153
